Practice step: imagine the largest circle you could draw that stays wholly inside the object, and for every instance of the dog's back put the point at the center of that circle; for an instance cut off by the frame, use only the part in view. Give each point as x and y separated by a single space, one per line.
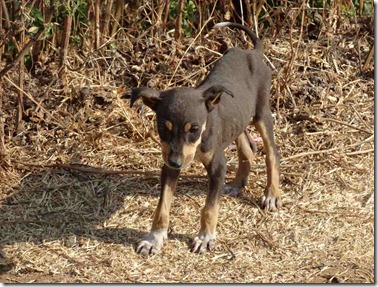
245 74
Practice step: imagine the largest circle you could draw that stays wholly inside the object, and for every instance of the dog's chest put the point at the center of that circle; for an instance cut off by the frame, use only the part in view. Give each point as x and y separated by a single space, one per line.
224 127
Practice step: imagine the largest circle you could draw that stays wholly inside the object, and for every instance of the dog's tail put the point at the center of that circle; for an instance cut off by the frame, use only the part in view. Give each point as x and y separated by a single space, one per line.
255 40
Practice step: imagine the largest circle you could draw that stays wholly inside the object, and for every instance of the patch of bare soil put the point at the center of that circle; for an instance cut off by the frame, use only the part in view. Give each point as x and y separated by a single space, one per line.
60 224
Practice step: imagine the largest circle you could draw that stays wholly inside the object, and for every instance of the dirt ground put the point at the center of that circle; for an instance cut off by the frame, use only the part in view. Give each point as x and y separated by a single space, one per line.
67 224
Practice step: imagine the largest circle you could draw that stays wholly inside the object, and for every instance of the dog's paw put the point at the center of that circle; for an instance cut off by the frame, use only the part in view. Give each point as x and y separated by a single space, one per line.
152 243
203 242
271 203
232 190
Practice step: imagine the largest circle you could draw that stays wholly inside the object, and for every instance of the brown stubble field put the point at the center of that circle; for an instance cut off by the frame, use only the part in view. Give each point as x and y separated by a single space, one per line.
81 222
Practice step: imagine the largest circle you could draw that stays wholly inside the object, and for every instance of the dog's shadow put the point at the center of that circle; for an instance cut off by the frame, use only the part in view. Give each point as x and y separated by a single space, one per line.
66 205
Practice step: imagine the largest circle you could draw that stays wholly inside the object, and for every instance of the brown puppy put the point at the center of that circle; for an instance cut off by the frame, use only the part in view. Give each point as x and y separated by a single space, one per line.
204 121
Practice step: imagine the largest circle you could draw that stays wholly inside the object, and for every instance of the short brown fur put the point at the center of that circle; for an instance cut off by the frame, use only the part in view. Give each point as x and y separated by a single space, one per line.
204 121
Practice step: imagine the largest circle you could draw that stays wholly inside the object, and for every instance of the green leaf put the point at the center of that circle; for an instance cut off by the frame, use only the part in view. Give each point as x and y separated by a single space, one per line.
33 30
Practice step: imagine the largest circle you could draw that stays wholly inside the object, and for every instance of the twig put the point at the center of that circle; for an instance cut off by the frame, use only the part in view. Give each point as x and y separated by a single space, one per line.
20 106
35 102
208 49
186 51
22 53
242 12
271 64
302 154
180 7
166 13
347 214
97 25
368 59
191 198
1 29
194 73
65 43
8 24
2 120
294 52
320 120
108 12
118 14
344 123
360 117
360 152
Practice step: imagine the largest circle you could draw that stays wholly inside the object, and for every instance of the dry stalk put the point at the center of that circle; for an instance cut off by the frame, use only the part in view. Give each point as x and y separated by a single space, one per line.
345 124
249 13
67 25
118 14
1 29
8 24
368 59
106 22
360 117
20 106
191 44
97 9
22 53
166 12
159 15
35 102
2 120
178 28
359 152
303 154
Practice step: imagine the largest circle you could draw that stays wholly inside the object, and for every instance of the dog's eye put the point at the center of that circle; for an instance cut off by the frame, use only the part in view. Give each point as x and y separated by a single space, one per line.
193 130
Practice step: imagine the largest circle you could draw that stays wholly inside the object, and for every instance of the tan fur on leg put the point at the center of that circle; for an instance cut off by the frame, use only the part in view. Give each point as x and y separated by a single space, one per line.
272 196
245 158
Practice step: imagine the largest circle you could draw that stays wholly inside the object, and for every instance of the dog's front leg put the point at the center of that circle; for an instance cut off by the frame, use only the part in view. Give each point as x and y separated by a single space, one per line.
216 170
153 242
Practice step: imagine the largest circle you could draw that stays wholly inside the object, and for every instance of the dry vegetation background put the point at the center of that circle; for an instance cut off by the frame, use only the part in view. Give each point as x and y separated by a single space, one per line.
79 169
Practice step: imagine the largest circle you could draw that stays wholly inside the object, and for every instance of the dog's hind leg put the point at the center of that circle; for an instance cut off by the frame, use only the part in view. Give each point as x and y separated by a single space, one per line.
272 196
153 241
245 158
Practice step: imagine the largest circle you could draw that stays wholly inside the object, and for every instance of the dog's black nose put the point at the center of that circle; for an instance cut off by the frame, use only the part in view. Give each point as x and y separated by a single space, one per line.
175 163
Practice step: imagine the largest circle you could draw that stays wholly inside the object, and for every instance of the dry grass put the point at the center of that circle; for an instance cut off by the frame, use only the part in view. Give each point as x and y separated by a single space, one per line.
63 225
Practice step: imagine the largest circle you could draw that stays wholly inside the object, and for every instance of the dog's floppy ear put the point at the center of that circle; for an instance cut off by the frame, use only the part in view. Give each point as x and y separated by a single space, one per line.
149 96
213 94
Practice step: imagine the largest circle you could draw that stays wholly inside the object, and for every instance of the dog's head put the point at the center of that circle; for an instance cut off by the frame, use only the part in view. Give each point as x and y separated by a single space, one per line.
181 115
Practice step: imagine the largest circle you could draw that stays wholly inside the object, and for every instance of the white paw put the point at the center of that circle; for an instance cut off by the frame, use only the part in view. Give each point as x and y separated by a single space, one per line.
203 242
271 203
152 242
